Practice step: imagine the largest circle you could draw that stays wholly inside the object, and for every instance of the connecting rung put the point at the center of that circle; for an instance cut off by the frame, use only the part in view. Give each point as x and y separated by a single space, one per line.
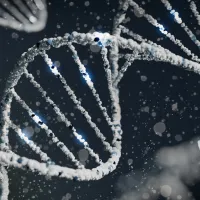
48 131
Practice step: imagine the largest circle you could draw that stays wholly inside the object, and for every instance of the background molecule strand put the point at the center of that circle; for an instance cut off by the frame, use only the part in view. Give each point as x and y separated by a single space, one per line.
28 16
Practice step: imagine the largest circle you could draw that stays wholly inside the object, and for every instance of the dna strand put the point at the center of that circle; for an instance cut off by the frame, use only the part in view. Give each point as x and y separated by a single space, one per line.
9 158
28 16
142 50
46 167
173 181
131 5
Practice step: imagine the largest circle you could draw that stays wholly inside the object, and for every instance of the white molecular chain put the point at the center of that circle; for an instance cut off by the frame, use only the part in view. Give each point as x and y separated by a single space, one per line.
140 49
28 16
46 166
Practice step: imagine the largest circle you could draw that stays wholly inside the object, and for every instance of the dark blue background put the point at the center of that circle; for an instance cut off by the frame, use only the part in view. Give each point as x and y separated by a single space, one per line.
134 95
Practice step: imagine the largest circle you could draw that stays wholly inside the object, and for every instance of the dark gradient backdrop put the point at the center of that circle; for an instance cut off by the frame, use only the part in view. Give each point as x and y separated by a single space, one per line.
149 93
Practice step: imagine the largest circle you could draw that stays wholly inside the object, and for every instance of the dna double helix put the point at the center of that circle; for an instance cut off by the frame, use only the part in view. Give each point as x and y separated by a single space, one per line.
46 167
28 16
139 49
